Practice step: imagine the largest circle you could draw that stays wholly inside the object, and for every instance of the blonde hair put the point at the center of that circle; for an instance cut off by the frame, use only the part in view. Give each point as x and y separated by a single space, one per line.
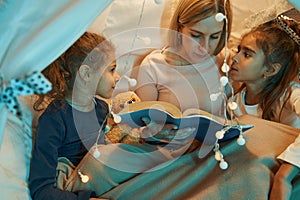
189 12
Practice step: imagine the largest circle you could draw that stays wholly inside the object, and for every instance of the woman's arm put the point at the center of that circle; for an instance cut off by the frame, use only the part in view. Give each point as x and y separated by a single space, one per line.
146 87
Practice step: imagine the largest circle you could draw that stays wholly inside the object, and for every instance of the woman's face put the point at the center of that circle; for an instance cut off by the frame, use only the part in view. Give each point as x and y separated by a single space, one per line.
200 40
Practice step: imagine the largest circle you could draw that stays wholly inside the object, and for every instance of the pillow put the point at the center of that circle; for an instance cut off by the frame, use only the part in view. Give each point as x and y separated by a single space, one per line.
15 154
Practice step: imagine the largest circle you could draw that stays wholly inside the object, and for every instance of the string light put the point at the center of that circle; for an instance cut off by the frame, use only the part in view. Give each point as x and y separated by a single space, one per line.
228 103
84 178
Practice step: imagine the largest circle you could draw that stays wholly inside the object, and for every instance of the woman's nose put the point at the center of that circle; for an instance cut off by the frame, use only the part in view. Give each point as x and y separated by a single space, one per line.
204 44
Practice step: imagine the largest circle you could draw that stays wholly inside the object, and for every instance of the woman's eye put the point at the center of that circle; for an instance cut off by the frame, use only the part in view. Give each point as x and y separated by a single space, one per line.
195 35
214 37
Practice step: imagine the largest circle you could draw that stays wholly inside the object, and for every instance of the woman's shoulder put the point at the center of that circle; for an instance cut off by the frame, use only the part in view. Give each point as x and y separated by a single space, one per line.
154 55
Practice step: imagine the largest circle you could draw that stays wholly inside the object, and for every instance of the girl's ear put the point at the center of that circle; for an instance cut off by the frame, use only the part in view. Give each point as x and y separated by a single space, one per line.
85 72
272 70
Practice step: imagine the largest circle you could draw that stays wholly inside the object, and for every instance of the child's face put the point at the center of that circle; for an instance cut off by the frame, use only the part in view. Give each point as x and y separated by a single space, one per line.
202 39
107 82
248 64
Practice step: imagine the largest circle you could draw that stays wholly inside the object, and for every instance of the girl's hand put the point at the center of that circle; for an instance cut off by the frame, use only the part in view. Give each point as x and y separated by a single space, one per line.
282 184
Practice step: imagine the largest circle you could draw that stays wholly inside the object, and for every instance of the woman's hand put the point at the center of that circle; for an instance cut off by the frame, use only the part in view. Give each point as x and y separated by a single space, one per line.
164 132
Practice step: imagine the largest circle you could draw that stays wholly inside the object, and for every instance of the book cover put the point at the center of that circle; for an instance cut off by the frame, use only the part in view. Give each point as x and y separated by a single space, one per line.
160 112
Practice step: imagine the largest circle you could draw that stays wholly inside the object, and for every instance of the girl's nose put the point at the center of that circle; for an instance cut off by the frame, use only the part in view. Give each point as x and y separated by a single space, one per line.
234 59
116 76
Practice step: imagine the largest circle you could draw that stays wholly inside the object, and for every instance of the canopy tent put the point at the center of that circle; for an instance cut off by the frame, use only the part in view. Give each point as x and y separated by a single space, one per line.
34 33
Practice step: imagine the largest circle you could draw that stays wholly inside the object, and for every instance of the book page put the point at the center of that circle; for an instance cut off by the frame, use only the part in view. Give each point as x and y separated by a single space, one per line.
196 111
160 105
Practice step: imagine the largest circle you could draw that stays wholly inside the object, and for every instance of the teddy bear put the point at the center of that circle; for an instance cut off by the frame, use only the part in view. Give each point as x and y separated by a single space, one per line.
121 132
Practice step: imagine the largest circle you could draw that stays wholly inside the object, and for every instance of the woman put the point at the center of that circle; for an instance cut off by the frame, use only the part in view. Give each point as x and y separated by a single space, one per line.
185 72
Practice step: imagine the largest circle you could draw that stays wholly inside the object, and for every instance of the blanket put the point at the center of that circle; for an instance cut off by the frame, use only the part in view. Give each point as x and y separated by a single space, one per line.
249 175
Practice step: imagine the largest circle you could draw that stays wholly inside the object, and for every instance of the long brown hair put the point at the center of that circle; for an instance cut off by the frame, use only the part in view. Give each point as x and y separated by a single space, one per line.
91 49
278 47
189 12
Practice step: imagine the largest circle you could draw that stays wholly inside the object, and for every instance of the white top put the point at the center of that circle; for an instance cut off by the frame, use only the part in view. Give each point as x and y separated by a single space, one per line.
186 87
290 116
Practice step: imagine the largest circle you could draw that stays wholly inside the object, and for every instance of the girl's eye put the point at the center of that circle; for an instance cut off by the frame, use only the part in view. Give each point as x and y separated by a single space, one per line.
247 55
113 70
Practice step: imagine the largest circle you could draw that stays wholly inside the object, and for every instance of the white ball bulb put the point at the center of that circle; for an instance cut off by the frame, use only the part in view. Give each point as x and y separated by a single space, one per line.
132 82
223 80
147 41
219 134
232 105
84 178
214 97
96 153
158 1
117 119
219 17
223 165
225 68
218 156
241 140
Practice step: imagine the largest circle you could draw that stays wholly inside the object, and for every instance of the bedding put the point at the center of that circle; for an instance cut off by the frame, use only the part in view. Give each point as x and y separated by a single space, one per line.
249 176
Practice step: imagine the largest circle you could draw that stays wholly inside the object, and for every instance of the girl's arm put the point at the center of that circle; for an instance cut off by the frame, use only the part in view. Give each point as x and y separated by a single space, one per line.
282 185
44 162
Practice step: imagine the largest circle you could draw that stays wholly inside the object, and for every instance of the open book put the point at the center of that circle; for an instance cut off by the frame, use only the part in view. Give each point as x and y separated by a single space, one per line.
161 112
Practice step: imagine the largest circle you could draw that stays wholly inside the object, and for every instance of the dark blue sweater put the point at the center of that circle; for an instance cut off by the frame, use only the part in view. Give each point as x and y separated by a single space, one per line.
62 132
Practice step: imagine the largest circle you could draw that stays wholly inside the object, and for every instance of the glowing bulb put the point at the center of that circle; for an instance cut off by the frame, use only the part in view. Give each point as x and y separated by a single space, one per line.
241 140
214 97
84 178
131 81
232 105
146 40
96 153
220 134
117 118
219 17
224 80
223 164
218 156
225 68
